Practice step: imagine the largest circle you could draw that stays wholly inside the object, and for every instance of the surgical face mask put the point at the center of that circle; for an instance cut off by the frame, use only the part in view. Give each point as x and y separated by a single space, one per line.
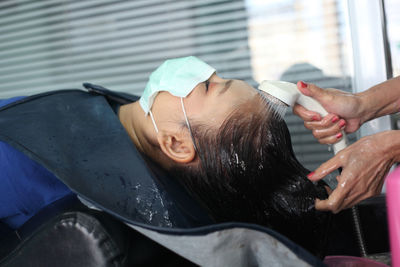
178 77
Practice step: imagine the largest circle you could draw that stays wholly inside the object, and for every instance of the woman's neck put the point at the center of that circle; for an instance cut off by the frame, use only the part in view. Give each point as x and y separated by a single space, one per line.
142 133
133 124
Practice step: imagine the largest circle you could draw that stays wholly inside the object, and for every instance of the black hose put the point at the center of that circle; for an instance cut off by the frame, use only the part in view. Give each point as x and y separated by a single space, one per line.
358 230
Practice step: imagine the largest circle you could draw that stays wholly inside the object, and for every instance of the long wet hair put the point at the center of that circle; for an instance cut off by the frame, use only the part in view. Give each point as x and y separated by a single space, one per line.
248 173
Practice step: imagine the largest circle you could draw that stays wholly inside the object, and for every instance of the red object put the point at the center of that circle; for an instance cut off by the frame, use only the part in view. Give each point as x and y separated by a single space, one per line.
303 84
315 118
350 261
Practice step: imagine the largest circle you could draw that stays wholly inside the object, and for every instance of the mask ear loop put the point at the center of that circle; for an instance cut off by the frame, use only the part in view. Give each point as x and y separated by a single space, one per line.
188 124
154 122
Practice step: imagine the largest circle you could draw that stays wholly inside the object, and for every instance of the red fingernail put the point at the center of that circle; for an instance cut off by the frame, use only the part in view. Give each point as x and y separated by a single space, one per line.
303 84
342 123
315 118
310 174
335 119
339 135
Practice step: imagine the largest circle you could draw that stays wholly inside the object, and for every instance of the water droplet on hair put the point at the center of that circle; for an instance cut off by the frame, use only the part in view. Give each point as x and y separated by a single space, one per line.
260 166
243 165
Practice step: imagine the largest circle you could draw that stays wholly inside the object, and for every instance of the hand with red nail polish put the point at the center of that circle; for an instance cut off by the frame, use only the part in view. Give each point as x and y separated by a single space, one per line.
365 163
364 167
327 129
343 109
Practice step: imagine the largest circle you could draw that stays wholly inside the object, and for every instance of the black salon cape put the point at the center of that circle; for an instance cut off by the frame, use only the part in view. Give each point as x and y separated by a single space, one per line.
78 137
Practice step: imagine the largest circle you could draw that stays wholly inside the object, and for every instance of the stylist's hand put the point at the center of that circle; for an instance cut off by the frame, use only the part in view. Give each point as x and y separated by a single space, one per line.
365 165
343 108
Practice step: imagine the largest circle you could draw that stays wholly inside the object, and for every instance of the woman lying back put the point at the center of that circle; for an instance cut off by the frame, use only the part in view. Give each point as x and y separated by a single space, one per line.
229 147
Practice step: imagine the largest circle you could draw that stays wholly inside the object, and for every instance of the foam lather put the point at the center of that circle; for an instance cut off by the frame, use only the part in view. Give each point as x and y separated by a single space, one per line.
289 94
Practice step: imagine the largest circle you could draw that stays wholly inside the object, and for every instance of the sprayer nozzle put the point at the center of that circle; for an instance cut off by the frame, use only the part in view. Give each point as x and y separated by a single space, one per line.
272 99
284 91
277 105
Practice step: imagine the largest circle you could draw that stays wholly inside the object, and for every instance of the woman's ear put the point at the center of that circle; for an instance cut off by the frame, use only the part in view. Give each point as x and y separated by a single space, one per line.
177 146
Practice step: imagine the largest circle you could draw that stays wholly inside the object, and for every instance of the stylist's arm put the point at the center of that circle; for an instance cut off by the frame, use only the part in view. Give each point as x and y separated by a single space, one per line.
364 167
365 163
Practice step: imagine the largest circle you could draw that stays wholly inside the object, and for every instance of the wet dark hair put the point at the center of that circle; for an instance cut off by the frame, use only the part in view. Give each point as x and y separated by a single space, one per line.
248 173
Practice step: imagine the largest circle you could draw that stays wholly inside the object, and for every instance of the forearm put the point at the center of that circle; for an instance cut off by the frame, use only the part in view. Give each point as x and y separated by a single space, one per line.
380 100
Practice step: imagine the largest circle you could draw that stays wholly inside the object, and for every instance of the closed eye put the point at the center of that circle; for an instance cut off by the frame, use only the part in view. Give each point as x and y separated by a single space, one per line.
207 83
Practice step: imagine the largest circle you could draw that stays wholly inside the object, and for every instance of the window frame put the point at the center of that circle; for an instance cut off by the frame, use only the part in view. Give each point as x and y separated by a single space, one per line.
370 54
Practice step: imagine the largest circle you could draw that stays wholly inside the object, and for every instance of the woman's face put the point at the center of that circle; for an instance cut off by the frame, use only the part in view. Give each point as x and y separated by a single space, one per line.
208 105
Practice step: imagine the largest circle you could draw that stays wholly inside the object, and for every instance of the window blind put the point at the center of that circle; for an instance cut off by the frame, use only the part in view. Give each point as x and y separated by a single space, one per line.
47 45
55 44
